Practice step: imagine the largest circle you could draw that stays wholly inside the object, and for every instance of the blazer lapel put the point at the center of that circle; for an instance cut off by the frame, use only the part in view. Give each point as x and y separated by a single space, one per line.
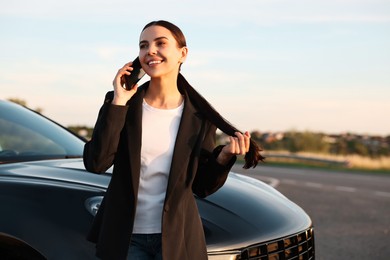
134 136
187 136
186 139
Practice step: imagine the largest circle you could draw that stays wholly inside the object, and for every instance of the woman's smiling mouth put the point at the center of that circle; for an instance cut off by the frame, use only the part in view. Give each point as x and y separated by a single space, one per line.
154 62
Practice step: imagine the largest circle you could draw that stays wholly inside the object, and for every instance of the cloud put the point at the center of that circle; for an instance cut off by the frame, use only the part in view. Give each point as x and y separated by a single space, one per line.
110 53
262 63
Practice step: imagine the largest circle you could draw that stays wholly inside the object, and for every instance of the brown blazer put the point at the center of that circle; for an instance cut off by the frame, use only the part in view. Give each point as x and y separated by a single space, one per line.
117 141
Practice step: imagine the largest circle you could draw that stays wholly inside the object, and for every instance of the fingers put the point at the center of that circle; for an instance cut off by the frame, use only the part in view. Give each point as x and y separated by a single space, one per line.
247 138
121 94
242 142
126 69
119 80
238 144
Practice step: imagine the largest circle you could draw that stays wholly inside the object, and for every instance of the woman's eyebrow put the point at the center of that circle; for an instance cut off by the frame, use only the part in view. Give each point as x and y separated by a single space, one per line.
156 39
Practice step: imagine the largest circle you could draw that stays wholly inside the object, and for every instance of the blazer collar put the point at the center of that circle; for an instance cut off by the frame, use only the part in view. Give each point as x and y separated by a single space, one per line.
187 136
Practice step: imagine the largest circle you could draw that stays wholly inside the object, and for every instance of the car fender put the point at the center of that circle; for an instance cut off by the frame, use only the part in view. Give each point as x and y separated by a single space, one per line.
14 248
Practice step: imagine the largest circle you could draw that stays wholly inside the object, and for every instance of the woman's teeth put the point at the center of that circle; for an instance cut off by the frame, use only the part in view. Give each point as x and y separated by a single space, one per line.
155 62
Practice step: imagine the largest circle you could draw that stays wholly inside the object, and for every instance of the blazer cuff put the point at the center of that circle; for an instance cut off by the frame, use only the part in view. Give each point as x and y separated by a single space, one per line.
219 166
114 113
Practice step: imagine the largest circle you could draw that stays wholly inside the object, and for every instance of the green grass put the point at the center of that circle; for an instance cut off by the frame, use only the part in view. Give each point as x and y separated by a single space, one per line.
326 167
317 165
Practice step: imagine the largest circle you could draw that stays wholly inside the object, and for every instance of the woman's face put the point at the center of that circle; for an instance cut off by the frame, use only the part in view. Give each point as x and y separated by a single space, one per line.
159 52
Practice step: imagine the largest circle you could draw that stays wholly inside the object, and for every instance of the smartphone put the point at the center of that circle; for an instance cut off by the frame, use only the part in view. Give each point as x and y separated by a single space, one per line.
136 74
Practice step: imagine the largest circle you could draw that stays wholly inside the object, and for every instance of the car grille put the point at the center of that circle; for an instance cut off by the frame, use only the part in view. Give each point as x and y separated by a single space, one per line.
299 247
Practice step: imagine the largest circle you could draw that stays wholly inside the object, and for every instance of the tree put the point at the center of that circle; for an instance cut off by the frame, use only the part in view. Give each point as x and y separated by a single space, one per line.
24 103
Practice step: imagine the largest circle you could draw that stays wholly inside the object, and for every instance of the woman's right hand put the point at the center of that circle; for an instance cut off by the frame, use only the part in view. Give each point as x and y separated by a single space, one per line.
122 95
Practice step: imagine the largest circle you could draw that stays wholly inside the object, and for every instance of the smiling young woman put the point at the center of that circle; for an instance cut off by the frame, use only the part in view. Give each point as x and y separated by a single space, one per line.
160 137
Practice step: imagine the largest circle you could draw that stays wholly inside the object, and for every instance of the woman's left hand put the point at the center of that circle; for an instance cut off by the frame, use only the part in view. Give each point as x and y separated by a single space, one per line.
238 145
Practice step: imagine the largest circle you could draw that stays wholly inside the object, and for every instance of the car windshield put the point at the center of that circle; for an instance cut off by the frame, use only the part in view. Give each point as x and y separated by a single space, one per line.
28 136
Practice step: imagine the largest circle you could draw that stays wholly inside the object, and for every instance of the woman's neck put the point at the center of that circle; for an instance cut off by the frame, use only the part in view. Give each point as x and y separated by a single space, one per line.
163 94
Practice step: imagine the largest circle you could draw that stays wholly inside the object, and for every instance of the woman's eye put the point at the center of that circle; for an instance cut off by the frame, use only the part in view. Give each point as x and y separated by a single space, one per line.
142 46
160 43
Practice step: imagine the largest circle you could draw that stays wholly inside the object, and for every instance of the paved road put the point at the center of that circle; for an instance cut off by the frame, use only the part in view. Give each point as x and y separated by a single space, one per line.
350 211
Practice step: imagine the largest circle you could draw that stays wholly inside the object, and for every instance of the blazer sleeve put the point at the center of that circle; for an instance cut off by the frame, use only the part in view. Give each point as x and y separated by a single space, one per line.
210 174
100 151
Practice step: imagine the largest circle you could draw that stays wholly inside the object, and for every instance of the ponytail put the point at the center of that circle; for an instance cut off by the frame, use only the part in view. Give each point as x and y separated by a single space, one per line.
253 156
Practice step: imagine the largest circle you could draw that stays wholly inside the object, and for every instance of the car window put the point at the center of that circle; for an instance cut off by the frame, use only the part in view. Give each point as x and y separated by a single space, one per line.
26 135
17 138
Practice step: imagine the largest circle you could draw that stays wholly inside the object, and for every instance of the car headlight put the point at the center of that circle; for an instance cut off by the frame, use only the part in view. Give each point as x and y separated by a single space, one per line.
92 204
224 256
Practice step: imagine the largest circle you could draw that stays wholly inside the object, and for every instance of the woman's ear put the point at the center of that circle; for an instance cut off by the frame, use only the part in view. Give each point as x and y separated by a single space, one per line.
184 52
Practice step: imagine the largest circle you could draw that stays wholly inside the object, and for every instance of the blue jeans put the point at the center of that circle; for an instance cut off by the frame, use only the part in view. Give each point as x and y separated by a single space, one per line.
145 247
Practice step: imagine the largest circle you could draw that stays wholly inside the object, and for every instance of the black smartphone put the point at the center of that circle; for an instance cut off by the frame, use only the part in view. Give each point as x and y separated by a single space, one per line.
136 74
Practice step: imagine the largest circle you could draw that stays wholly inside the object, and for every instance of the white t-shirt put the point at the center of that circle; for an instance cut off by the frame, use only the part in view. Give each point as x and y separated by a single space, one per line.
159 131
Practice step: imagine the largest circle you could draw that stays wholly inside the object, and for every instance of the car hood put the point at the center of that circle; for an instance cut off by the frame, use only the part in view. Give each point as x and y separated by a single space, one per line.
243 212
63 170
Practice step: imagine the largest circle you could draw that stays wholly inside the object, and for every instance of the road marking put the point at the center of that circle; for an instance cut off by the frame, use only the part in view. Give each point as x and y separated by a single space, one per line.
344 188
314 185
288 181
275 182
382 194
322 186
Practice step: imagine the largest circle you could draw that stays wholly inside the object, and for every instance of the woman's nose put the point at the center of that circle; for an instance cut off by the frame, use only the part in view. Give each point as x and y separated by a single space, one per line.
152 50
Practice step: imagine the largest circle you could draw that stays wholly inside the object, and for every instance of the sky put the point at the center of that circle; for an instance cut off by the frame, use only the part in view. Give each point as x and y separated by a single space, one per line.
265 65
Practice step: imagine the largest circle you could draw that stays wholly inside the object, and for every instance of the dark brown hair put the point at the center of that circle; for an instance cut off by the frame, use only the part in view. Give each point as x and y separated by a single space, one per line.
253 156
176 32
